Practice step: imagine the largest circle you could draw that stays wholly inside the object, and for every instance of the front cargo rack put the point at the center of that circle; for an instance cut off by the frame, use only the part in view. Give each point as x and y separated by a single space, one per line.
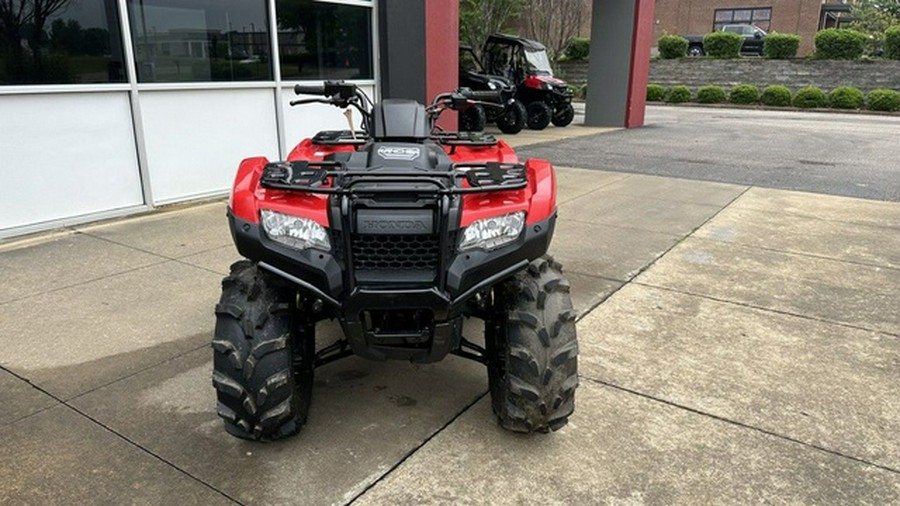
464 138
333 177
340 138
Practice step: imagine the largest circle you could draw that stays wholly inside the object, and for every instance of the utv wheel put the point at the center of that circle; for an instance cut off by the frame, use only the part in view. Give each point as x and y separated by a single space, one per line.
262 361
539 115
472 119
532 349
512 121
564 115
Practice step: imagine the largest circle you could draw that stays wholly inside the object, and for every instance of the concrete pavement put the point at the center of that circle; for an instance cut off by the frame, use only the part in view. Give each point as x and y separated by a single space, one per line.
738 345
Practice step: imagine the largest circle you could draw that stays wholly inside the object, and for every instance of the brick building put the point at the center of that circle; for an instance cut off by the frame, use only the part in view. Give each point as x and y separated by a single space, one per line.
696 17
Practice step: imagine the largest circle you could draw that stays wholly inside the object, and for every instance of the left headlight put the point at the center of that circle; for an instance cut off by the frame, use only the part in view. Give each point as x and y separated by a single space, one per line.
491 233
293 231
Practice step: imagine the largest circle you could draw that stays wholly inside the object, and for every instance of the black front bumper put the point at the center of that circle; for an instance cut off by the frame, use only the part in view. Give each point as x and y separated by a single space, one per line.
324 275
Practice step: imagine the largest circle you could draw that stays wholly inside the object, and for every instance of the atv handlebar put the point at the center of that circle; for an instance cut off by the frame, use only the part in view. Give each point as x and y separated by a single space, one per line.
483 96
315 89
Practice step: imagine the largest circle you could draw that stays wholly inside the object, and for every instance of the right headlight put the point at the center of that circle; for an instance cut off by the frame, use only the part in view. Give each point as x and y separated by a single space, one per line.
491 233
294 231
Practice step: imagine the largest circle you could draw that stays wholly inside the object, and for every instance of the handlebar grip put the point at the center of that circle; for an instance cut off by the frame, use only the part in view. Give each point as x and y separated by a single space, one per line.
315 89
485 96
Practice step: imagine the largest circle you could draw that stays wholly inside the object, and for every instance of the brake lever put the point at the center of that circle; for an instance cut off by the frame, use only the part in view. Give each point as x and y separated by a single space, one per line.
495 105
304 101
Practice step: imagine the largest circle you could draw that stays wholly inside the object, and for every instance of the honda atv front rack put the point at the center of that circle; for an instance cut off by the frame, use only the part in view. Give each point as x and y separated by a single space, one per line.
314 177
340 138
464 138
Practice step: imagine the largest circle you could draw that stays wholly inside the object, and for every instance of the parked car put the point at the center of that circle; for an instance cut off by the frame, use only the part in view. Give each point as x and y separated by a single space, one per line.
754 38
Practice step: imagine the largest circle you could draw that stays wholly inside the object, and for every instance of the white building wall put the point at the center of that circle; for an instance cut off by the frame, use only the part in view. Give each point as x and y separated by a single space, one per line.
65 156
195 139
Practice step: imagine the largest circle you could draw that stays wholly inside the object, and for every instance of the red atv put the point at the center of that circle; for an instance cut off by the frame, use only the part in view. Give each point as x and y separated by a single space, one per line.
398 231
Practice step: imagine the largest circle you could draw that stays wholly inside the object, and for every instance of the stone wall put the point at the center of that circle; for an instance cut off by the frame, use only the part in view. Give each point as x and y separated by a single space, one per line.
795 74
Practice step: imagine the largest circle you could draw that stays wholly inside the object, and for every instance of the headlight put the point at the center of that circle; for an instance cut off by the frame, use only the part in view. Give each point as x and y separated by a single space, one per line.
293 231
492 85
491 233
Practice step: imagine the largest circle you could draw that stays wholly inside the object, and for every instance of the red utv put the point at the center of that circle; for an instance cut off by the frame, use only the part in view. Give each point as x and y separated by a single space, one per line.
524 62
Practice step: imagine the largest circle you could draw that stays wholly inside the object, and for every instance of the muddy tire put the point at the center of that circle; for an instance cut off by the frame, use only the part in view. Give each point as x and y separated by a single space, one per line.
539 115
472 119
262 360
533 350
512 121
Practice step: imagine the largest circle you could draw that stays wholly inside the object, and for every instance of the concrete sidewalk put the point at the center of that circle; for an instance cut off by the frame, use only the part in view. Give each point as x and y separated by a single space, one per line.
738 345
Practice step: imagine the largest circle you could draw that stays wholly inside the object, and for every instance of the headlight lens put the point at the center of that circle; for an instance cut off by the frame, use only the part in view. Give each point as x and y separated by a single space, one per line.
492 85
491 233
293 231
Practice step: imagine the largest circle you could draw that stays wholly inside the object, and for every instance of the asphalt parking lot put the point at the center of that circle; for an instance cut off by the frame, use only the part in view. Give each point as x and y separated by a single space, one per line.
740 344
841 154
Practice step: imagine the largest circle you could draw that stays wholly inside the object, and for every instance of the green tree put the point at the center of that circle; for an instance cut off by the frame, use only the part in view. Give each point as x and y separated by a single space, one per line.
873 18
480 18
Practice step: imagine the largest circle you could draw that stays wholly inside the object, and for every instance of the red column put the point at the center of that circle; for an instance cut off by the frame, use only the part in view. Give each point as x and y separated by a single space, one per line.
641 41
442 51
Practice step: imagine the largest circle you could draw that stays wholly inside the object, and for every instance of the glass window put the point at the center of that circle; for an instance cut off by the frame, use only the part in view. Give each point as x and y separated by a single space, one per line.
759 17
724 15
759 14
743 15
60 42
319 40
200 40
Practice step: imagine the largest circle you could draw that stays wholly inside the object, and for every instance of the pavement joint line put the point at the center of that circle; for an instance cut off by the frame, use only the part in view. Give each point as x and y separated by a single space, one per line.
813 217
742 425
769 309
135 373
29 415
93 389
663 254
126 439
415 449
602 186
626 227
87 281
147 251
799 253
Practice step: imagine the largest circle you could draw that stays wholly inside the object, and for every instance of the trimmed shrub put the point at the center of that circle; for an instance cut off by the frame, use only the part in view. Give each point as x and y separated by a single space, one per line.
711 95
776 95
744 94
678 95
656 93
846 97
722 45
578 49
892 43
883 100
672 46
781 46
839 44
809 98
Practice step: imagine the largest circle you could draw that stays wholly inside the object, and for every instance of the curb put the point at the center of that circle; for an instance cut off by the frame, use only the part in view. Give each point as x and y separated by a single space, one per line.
785 109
